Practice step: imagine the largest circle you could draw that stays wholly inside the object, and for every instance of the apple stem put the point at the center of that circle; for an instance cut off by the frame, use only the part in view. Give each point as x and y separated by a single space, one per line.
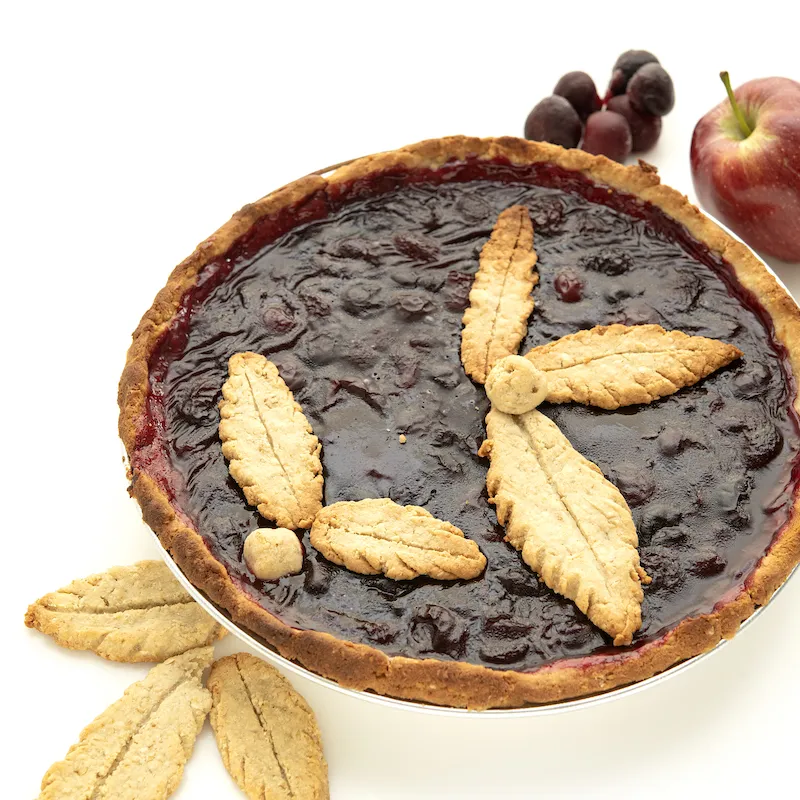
737 111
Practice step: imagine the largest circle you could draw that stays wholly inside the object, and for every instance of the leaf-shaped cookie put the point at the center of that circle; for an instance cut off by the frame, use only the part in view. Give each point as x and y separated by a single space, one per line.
618 365
133 613
500 300
573 527
273 454
402 542
137 748
266 733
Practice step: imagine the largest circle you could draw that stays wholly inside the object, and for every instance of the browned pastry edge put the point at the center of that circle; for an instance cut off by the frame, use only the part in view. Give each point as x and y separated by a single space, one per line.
456 683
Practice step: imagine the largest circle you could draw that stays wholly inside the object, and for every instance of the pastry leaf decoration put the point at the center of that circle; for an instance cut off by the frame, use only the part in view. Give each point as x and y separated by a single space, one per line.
137 748
266 732
273 454
500 300
133 613
401 542
616 366
572 526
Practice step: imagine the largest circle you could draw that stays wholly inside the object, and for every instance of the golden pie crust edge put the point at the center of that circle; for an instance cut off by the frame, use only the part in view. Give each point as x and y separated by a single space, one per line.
454 683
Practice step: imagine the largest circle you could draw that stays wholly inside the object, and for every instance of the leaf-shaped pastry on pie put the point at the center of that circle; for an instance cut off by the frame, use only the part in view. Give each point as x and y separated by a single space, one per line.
137 748
134 613
616 365
273 454
573 527
402 542
266 733
500 300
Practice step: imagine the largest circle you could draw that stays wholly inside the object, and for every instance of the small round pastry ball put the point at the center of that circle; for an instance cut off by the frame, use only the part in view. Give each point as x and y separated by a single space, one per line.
515 386
271 553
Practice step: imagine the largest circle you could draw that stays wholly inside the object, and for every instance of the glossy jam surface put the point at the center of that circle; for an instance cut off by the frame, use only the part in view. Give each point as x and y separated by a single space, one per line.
361 310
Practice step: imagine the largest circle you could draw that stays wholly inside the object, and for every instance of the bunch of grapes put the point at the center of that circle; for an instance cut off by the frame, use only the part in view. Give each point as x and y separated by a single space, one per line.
627 120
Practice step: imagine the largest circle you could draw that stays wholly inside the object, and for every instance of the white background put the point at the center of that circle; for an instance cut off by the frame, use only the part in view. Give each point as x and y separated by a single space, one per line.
132 131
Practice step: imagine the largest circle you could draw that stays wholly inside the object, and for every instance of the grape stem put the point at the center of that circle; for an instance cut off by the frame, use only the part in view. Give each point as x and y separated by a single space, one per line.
737 111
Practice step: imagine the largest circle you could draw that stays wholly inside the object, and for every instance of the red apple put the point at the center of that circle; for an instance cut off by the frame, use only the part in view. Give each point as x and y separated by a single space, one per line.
745 160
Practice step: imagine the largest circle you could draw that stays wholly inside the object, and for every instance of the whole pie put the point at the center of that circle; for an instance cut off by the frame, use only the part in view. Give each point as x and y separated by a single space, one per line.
357 321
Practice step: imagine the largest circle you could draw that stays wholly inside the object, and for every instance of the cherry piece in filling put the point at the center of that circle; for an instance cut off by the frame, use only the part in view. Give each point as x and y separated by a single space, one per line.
568 286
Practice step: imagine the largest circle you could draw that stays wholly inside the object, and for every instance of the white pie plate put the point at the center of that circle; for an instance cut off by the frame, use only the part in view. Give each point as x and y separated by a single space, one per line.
266 652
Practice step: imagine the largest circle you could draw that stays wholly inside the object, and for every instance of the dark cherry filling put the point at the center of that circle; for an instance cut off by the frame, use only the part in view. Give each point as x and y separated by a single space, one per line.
360 306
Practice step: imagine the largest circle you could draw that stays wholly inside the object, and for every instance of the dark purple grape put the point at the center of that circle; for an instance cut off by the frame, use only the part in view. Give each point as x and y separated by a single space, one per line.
645 128
607 134
651 90
554 120
579 89
568 286
625 67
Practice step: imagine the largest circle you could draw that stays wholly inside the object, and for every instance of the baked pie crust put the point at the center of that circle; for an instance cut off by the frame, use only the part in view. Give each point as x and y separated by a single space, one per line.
455 683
